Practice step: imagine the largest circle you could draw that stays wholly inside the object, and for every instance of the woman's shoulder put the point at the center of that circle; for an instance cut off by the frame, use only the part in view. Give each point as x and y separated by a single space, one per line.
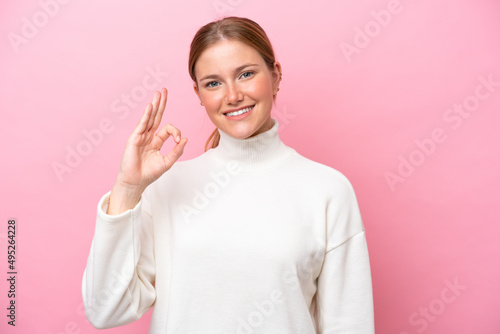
313 166
320 174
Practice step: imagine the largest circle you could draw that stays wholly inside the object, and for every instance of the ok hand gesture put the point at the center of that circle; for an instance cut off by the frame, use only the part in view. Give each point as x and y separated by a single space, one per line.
142 163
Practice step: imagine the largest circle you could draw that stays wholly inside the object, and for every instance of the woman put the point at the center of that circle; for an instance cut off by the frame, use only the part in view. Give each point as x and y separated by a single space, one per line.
249 237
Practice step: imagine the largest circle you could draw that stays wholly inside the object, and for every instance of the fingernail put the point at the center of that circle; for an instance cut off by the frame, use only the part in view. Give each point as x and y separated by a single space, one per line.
177 138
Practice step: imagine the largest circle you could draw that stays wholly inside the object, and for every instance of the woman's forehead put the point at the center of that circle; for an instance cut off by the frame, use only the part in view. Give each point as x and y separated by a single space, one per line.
226 55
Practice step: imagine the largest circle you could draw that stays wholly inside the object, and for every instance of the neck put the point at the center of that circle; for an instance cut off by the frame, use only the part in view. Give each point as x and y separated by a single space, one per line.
257 152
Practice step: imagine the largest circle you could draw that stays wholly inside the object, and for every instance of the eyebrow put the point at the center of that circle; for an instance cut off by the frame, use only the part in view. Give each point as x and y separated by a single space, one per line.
236 70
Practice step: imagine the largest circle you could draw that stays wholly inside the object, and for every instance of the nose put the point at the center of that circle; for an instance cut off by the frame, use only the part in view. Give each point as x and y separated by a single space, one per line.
234 94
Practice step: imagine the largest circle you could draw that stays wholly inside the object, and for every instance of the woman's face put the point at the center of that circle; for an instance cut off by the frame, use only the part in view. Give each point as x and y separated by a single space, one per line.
237 88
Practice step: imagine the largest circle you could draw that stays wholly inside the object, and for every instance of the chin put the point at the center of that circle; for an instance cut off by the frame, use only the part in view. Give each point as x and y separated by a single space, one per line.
241 132
246 130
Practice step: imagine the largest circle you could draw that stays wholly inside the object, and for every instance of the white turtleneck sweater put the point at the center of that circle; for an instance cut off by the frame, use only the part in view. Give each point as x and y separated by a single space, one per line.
249 237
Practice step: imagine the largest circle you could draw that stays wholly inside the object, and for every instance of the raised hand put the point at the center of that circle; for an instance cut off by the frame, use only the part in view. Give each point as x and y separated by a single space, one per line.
142 163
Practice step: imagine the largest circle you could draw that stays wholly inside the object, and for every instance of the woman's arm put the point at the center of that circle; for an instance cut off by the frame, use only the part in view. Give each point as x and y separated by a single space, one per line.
119 281
344 296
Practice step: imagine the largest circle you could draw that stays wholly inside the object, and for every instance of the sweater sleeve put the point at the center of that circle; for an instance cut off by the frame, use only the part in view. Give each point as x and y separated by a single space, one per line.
344 296
118 282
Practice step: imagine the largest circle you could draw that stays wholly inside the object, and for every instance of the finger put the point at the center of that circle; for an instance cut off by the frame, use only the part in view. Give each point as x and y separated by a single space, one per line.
161 108
155 103
154 110
175 154
167 131
143 122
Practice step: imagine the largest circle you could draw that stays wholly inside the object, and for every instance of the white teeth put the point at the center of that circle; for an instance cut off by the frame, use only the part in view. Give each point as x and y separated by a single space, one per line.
239 112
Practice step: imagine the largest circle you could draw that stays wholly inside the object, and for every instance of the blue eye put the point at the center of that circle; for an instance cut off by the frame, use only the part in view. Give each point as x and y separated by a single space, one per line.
211 84
247 74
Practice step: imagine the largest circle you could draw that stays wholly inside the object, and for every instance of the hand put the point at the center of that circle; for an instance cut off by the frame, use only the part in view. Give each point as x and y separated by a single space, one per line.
142 163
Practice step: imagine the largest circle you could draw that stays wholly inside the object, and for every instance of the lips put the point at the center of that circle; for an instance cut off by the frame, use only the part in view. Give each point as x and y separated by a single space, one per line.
237 112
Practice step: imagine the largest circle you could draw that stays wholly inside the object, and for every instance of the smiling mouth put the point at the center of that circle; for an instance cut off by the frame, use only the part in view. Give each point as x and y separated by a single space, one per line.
239 112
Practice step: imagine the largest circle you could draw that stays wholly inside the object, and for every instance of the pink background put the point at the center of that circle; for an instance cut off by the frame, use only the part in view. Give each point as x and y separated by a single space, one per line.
364 97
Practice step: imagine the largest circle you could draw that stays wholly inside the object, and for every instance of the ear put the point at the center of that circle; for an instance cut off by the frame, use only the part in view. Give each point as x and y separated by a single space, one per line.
195 87
277 75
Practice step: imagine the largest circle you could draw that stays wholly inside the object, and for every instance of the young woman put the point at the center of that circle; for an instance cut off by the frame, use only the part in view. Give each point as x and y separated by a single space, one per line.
249 237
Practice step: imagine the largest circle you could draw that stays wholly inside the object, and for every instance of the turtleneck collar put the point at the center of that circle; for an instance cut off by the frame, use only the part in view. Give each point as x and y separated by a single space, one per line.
258 152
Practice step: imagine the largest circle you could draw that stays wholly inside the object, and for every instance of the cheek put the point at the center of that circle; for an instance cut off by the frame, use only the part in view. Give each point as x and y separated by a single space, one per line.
261 89
212 100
